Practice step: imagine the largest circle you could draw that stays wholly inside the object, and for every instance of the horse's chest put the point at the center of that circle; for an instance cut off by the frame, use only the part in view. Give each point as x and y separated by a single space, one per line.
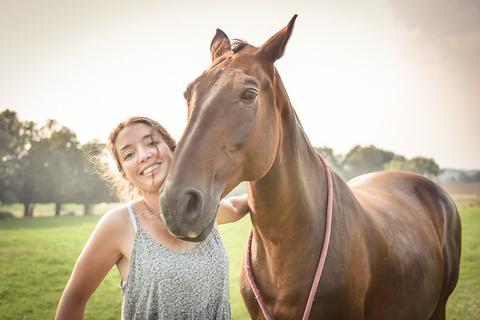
281 300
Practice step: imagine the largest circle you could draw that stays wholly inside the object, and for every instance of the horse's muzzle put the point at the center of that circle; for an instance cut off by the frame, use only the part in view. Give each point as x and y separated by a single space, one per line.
187 212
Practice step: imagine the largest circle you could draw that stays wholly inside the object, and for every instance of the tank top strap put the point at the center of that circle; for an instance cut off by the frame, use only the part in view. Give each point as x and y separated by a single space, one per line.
133 217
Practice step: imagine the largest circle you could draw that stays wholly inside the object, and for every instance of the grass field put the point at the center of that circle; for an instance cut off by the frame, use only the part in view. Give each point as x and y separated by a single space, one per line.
37 256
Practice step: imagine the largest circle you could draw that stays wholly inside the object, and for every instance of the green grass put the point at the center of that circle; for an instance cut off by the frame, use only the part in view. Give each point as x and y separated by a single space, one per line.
465 300
37 256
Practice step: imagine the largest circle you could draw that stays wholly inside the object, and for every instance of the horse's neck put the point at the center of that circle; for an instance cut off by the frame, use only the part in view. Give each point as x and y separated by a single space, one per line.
291 198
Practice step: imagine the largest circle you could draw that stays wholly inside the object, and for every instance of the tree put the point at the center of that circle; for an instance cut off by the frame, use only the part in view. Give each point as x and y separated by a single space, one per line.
48 171
64 163
32 183
15 142
11 145
425 166
421 165
360 160
46 164
399 164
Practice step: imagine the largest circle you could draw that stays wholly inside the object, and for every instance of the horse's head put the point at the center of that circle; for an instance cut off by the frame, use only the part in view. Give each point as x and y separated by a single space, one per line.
232 133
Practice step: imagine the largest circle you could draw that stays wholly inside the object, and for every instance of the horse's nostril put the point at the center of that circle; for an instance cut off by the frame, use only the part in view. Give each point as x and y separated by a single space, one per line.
194 202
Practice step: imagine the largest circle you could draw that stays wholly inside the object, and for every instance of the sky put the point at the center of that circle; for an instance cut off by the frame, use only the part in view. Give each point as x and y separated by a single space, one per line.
401 75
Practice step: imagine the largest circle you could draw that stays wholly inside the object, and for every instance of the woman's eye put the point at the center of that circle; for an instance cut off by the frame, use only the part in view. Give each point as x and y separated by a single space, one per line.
249 95
128 156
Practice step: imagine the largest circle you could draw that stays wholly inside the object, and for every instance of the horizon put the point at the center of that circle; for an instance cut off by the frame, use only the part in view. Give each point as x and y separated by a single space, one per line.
342 155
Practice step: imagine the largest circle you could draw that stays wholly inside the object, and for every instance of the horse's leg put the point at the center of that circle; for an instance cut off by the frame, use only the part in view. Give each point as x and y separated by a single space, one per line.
451 254
439 313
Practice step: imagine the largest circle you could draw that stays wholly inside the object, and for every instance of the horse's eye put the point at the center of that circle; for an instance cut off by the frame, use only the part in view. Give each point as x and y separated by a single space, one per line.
249 95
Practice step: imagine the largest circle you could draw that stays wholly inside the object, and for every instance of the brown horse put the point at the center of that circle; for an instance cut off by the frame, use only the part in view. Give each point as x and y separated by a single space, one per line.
395 245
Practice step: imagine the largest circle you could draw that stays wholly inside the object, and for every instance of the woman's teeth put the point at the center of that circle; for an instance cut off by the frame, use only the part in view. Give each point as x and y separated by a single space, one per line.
150 169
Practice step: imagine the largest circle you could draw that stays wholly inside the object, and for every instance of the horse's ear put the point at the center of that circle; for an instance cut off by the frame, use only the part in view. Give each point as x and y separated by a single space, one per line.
220 44
275 46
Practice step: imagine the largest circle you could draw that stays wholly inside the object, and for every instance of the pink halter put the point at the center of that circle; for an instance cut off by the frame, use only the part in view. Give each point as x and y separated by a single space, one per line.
321 262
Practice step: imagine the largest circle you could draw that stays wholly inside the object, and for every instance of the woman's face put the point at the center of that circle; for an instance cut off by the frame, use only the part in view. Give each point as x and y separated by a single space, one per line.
145 159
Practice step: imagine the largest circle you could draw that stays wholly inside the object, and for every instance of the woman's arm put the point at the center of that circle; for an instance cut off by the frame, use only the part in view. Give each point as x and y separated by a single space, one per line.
97 257
232 209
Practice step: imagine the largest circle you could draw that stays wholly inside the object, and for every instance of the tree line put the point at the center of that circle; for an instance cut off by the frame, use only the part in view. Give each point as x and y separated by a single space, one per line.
47 164
363 159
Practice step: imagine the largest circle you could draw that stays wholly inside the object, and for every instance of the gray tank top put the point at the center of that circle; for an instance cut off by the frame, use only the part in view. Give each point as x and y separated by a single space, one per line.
167 284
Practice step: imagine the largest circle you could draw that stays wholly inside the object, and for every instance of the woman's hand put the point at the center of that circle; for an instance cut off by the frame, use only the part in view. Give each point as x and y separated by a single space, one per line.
232 209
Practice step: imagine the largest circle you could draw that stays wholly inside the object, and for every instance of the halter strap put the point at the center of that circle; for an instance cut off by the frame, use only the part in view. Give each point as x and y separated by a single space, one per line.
321 262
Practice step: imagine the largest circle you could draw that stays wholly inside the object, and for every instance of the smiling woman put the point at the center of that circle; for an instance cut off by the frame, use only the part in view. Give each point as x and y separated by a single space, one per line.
124 141
163 277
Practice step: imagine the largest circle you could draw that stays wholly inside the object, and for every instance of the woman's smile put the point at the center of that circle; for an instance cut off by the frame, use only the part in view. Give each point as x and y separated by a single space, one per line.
150 169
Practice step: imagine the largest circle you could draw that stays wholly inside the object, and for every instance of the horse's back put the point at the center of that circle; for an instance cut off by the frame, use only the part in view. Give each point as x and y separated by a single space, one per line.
414 195
414 236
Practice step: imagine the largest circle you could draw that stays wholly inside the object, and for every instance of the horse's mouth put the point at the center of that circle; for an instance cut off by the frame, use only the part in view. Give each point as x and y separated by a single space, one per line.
200 237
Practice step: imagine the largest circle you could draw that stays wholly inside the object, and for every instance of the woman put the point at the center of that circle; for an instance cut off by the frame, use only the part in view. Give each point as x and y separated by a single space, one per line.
162 276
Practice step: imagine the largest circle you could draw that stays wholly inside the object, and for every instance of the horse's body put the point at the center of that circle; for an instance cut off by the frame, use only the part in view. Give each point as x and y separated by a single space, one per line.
395 244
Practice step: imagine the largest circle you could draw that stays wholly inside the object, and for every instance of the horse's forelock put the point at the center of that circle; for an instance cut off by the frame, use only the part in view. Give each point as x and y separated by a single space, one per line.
239 44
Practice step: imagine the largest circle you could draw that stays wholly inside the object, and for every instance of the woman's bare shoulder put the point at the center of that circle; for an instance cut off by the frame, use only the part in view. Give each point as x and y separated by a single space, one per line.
115 218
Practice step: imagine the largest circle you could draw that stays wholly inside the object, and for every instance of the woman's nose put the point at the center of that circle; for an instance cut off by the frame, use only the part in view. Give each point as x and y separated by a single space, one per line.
145 155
